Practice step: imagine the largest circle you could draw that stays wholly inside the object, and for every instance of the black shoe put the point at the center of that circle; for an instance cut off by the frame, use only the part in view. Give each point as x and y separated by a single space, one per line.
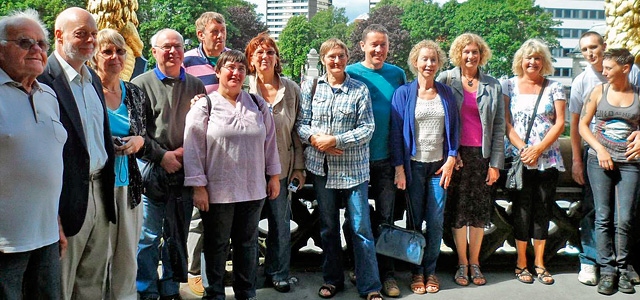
625 285
607 284
171 297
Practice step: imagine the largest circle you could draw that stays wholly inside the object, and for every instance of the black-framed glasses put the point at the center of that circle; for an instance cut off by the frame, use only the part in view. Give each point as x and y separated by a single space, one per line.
168 48
27 44
109 52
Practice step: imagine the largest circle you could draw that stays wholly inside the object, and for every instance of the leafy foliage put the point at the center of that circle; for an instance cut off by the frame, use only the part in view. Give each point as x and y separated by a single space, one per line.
294 45
242 25
330 23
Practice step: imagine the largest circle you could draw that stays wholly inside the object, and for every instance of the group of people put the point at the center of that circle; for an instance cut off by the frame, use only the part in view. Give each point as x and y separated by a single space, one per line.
121 174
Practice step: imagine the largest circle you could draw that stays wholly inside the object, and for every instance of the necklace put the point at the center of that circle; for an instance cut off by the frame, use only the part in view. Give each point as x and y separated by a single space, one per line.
110 90
469 81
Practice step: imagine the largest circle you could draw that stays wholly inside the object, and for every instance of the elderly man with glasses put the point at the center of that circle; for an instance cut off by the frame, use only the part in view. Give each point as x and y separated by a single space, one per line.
169 89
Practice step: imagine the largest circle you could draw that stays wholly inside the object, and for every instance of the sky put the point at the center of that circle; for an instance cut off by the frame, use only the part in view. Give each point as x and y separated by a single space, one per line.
353 8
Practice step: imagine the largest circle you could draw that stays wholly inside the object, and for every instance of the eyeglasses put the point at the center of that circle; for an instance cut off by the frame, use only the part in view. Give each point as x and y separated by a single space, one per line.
27 44
268 52
233 69
168 48
337 57
109 53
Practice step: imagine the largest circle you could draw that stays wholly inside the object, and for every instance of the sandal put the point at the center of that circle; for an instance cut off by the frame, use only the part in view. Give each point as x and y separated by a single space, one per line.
433 284
461 277
544 276
374 296
522 274
476 275
330 288
417 284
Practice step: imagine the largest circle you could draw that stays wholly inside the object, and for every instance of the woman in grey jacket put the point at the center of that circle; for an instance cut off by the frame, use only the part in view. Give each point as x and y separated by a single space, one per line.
481 152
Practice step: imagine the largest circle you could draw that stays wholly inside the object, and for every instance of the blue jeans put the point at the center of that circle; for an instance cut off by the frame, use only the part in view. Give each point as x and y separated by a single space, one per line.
150 251
357 209
277 258
238 222
588 253
383 192
38 269
614 195
428 200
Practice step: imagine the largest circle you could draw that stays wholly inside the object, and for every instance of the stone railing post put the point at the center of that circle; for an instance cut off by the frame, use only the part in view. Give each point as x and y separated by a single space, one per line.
312 65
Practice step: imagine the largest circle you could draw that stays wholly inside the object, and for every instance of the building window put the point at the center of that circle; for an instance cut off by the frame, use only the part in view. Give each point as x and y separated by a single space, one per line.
563 72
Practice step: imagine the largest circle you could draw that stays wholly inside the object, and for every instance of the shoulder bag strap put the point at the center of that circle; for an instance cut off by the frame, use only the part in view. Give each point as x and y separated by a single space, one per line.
410 212
535 110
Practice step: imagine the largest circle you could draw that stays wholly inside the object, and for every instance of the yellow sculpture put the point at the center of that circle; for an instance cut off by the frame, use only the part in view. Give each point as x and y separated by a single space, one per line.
623 25
121 16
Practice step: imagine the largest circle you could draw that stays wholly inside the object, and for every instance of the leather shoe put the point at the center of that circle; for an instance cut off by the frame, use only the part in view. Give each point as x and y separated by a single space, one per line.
607 284
625 285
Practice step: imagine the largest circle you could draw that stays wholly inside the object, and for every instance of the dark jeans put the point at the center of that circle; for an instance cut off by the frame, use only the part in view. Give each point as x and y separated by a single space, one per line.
37 270
428 200
531 205
589 254
614 194
278 256
238 222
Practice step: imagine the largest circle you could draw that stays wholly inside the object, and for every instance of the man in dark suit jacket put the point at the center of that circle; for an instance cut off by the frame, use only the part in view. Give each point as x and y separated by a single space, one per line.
86 200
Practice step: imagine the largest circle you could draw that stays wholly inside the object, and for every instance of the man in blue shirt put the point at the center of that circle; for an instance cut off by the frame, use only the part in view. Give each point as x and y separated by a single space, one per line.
382 79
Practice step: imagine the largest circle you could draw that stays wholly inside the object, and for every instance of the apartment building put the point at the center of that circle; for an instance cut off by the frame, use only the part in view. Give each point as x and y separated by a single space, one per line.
278 12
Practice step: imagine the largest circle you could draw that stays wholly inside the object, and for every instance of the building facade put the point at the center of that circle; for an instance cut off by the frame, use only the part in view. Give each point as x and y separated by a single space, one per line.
577 17
278 12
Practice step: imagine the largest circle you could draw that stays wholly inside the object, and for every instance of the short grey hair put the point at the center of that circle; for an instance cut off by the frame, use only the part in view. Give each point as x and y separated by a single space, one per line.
15 17
154 38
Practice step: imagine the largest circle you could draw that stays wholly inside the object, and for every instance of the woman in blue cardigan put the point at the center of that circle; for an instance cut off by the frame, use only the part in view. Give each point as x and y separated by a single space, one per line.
424 142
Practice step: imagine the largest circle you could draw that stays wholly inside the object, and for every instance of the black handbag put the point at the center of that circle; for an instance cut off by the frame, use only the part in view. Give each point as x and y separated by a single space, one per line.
514 173
401 243
157 182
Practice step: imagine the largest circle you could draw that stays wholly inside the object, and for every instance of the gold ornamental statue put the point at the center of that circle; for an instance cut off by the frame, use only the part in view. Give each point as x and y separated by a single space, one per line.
121 16
623 25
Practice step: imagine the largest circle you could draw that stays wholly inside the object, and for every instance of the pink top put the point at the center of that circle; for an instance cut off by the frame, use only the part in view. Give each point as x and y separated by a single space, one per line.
231 151
471 126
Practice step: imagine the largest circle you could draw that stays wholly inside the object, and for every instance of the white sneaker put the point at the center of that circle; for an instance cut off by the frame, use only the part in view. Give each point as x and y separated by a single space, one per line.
588 274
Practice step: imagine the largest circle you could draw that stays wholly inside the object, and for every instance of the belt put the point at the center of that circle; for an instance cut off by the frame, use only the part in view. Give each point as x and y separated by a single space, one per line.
95 176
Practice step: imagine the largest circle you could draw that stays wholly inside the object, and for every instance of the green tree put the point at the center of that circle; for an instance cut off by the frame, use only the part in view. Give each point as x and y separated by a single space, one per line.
48 9
243 24
330 23
294 45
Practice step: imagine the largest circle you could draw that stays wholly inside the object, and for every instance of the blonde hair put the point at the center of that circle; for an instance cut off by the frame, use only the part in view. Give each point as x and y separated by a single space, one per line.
206 17
425 44
528 48
330 44
104 38
465 39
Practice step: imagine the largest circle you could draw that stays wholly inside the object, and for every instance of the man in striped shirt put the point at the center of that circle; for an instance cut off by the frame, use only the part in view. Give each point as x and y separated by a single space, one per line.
201 61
